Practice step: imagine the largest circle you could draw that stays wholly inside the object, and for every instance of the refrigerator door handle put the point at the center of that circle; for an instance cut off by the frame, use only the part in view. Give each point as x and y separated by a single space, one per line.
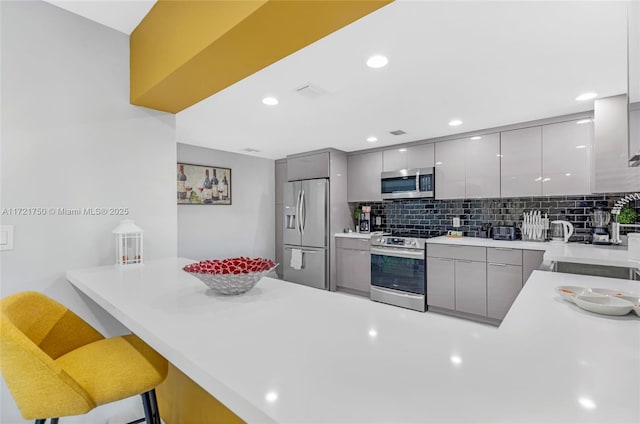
303 212
298 216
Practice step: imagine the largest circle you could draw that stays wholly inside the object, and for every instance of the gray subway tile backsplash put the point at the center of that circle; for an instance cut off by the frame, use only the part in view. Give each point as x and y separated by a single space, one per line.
430 217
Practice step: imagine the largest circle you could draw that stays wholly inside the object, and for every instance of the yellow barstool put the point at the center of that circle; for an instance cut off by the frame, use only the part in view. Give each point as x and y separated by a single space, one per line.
56 365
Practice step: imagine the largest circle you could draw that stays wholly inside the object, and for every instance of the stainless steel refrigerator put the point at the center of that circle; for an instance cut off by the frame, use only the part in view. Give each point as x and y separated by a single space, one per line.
306 226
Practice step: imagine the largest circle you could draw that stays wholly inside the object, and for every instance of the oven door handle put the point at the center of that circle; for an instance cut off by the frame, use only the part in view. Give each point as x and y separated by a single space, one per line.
398 253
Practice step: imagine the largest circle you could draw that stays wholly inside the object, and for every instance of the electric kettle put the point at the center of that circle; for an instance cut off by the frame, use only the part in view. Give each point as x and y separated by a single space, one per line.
561 231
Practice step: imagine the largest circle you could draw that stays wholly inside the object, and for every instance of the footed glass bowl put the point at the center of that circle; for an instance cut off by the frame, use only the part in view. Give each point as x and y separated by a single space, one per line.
231 276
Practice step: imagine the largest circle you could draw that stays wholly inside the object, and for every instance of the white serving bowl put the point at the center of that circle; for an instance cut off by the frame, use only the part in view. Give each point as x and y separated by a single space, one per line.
614 293
606 305
568 293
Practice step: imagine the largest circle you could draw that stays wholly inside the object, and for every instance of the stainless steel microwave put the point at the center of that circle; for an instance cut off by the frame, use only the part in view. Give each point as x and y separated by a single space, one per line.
407 183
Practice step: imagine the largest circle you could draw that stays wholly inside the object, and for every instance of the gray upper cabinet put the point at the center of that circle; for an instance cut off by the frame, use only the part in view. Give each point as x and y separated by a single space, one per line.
482 167
450 169
521 162
421 156
611 151
394 159
308 167
566 158
363 180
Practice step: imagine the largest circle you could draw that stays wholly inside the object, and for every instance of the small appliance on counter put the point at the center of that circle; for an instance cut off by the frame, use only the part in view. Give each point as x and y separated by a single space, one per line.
600 218
364 221
485 230
561 231
504 232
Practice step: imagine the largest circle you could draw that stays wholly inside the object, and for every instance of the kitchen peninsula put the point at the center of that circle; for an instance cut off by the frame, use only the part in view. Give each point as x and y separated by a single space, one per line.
288 353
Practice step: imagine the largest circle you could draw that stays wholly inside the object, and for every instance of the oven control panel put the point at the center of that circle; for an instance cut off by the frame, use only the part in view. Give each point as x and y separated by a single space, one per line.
406 242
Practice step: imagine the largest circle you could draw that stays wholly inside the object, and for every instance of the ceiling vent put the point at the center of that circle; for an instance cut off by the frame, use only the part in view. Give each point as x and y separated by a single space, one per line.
310 91
250 150
397 132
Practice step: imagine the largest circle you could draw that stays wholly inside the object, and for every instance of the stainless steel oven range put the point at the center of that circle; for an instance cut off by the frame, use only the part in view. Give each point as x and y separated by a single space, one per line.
397 271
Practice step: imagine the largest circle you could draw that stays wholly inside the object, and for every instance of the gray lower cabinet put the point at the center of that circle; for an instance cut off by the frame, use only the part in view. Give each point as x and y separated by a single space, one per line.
471 287
353 265
441 283
504 282
531 260
479 281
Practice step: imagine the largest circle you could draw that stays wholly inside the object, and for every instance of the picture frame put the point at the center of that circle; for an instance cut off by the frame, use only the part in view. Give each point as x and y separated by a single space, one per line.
203 184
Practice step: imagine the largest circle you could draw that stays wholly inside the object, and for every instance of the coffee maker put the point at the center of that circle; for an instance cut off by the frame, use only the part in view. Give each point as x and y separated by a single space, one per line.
364 222
600 218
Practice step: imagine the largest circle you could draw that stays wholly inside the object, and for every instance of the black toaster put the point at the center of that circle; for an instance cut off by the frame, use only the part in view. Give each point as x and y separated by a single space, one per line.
504 233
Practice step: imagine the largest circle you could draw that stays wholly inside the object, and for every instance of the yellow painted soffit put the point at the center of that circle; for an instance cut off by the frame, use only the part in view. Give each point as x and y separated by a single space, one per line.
184 51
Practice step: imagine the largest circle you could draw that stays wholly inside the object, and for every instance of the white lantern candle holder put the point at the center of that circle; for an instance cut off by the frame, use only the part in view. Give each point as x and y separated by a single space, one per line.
128 243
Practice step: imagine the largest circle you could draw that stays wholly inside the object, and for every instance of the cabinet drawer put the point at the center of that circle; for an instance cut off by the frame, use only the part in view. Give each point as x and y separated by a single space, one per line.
455 251
501 255
352 243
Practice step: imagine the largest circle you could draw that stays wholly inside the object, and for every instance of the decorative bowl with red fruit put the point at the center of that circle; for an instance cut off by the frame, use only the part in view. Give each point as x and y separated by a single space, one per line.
231 276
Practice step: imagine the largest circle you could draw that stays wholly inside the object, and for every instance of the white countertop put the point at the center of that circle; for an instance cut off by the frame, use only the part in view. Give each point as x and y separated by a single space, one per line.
288 353
359 235
486 242
554 252
354 235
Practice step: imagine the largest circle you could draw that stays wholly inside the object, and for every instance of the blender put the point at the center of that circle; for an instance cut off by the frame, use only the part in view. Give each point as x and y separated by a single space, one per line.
599 221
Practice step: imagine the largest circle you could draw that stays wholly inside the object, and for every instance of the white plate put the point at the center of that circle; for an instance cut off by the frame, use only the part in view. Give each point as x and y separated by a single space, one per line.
636 309
606 305
615 293
569 292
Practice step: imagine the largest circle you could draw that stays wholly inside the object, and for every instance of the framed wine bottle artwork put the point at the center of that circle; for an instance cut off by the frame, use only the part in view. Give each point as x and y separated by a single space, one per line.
203 185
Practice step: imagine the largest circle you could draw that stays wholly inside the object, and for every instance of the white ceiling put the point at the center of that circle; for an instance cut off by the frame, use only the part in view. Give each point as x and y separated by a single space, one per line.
121 15
488 63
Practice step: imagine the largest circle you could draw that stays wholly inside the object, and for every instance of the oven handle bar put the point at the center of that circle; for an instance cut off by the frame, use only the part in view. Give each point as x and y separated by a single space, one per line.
398 253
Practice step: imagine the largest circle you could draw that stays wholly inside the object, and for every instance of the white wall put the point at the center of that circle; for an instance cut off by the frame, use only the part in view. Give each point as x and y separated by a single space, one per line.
70 139
244 228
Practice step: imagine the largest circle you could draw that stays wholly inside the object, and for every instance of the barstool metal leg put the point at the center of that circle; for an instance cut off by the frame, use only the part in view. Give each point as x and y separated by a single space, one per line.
154 406
148 412
54 420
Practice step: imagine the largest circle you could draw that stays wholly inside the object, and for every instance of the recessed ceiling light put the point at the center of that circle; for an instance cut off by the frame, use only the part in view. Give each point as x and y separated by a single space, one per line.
372 139
586 96
475 137
270 101
455 359
587 403
377 61
455 122
538 179
271 397
499 155
581 147
583 121
546 179
402 150
438 163
568 174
